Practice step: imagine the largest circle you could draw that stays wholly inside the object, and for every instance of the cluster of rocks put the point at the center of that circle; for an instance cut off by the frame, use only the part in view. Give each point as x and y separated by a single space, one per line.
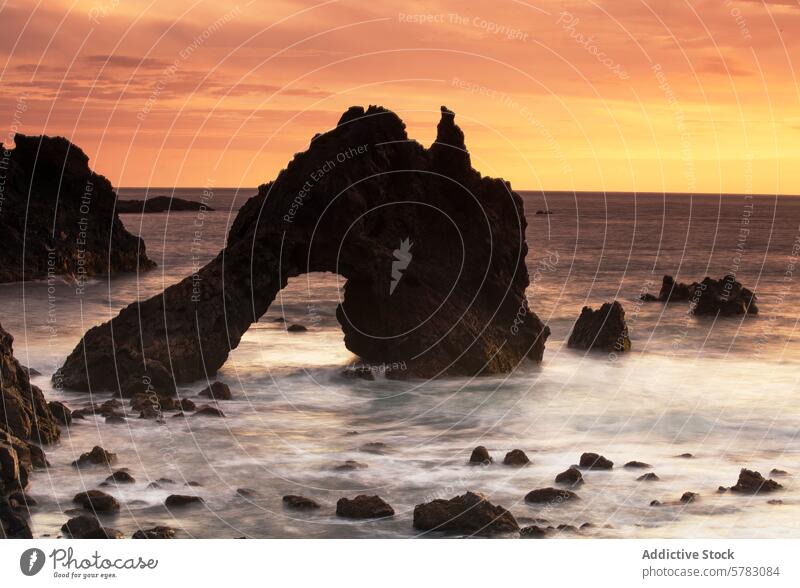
58 216
725 297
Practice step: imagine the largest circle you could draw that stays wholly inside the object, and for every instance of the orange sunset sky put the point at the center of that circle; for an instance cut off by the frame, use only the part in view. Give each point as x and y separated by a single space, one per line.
606 95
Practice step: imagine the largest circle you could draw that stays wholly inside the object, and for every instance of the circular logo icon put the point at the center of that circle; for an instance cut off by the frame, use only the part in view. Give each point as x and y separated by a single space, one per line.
31 561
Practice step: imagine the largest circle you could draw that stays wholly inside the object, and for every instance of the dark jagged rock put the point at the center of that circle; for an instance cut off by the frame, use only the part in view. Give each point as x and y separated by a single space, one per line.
725 296
60 412
97 456
751 482
59 216
468 514
433 254
12 524
636 465
177 500
593 461
688 497
96 501
647 297
572 477
299 502
159 532
550 496
603 329
480 456
217 391
363 507
517 458
24 412
160 204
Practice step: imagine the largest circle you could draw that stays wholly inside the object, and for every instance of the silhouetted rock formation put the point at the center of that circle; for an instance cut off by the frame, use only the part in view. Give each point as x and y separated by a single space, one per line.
468 514
160 204
24 412
603 329
58 216
725 296
433 253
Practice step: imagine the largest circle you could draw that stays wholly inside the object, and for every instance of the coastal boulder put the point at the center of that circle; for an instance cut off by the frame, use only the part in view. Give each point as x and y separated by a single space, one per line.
593 461
516 458
96 501
468 514
425 243
571 477
217 391
363 507
480 456
751 482
97 456
550 496
604 329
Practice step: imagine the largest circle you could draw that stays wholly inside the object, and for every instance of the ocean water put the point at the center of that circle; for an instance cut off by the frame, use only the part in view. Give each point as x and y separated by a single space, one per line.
724 390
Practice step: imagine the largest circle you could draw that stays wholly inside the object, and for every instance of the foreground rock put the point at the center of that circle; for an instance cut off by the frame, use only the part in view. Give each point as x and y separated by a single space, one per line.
78 527
59 215
363 507
516 458
390 217
160 204
96 501
480 456
217 391
751 482
469 514
725 296
299 502
550 496
593 461
603 329
571 477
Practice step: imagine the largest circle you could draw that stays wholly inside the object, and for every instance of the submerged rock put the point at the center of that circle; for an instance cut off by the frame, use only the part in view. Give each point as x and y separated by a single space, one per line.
50 198
648 477
363 507
209 411
296 329
299 502
480 456
409 207
217 391
593 461
751 482
468 514
604 329
550 496
637 465
517 458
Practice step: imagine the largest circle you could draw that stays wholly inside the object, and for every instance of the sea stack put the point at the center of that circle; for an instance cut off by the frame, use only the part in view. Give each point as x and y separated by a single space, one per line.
433 254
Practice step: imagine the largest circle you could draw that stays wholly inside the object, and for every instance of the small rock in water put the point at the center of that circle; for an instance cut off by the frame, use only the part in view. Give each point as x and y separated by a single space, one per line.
685 456
97 456
78 526
516 457
174 500
593 461
120 477
688 497
533 532
751 482
97 501
655 503
722 490
193 484
550 496
246 492
376 447
187 405
777 472
217 391
648 477
774 501
571 476
480 455
637 465
159 532
154 486
296 329
115 419
468 514
363 507
603 329
299 502
350 465
361 372
207 410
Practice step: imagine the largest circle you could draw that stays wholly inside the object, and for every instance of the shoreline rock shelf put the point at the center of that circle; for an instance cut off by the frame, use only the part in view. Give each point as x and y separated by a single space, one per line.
459 237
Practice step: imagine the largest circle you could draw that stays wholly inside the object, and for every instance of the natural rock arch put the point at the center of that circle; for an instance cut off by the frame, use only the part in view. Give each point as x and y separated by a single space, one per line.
433 254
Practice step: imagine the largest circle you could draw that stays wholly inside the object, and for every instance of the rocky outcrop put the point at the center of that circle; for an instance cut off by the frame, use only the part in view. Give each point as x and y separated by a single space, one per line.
363 507
469 514
24 412
604 329
751 482
725 297
433 254
58 216
160 204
